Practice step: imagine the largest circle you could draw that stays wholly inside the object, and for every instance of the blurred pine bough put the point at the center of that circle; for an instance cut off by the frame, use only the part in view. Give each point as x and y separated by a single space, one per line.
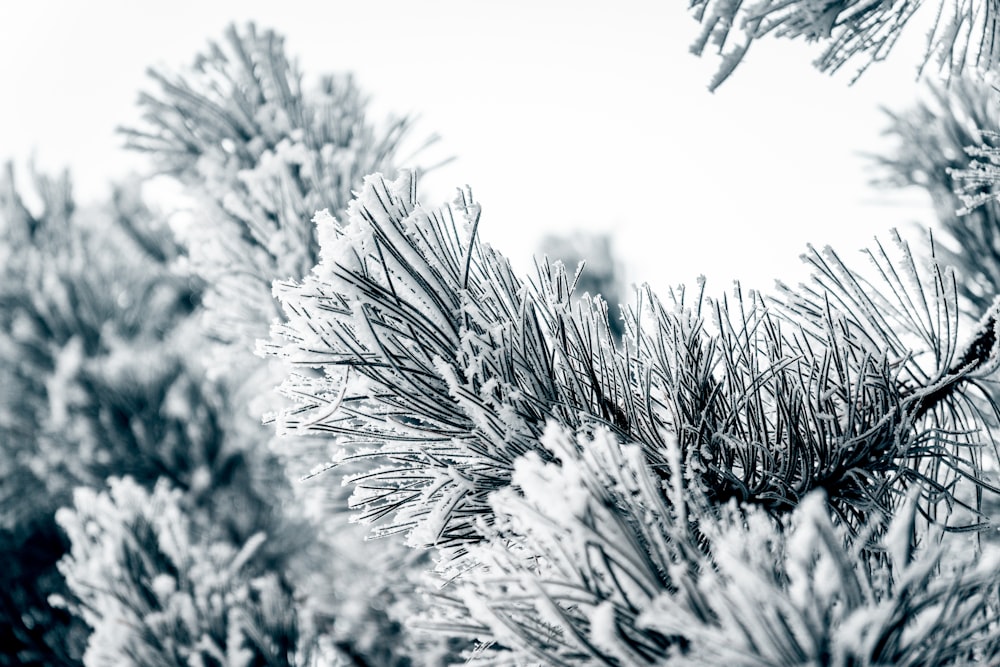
102 324
258 152
932 142
751 479
96 382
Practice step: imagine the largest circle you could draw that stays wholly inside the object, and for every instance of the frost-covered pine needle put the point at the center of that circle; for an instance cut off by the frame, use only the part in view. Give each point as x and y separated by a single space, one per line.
964 34
446 366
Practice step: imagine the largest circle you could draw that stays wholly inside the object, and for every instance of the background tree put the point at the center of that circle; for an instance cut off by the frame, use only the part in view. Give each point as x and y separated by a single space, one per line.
258 153
97 381
160 584
931 144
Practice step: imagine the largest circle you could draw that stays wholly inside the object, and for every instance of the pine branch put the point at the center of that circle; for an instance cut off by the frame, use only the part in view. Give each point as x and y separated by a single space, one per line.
928 417
592 561
158 588
964 35
578 550
440 361
932 138
804 593
828 387
454 362
259 153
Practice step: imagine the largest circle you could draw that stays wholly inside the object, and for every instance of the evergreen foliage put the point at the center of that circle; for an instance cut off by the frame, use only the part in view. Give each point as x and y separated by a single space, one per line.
258 152
448 368
804 593
791 478
72 382
98 382
622 572
964 34
932 142
446 347
440 360
157 589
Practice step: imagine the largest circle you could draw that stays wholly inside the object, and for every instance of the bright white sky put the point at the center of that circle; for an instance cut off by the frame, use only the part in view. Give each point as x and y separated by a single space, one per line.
562 114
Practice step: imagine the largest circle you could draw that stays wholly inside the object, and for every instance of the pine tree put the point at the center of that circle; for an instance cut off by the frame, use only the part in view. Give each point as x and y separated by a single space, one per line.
790 478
